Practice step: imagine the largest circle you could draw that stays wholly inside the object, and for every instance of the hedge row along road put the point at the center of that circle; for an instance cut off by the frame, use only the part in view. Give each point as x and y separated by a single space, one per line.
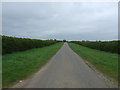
108 46
13 44
65 70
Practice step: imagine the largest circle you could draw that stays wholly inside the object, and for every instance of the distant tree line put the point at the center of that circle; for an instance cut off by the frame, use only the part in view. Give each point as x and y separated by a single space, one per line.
108 46
13 44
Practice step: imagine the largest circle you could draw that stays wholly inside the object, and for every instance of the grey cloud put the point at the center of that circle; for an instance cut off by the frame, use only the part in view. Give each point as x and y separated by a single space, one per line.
71 21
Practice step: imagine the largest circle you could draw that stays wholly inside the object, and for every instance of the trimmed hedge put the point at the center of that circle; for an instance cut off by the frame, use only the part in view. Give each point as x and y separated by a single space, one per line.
13 44
108 46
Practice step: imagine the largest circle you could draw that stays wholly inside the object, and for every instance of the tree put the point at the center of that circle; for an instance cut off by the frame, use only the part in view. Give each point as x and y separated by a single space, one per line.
64 40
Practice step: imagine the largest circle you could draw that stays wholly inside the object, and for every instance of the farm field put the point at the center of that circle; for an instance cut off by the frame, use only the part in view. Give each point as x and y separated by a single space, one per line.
19 65
106 62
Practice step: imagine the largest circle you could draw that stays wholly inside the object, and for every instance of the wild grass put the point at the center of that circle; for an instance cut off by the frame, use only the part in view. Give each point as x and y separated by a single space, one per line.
103 61
18 66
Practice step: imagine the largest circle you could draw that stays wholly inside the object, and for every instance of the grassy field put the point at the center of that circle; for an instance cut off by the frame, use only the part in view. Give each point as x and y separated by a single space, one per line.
103 61
17 66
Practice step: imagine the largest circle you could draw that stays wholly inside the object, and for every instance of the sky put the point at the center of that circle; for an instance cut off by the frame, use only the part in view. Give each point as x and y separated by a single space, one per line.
61 20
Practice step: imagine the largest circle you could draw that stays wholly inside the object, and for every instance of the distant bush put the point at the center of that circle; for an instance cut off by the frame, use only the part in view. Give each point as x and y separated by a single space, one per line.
13 44
108 46
64 41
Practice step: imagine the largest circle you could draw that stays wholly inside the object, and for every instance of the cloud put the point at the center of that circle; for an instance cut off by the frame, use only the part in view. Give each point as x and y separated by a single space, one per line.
61 20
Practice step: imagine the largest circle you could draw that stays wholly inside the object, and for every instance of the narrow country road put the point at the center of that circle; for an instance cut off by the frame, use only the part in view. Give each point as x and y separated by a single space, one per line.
65 70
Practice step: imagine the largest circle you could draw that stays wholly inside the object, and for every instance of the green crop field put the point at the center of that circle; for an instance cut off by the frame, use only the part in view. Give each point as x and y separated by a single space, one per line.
19 65
104 61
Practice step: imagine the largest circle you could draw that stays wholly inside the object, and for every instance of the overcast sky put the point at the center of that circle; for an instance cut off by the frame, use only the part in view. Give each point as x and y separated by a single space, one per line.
70 21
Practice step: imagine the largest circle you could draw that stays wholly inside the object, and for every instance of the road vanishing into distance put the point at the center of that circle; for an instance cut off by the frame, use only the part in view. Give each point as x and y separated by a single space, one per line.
65 70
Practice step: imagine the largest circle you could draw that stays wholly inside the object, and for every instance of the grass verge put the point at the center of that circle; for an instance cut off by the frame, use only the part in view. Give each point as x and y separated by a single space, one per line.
17 66
103 61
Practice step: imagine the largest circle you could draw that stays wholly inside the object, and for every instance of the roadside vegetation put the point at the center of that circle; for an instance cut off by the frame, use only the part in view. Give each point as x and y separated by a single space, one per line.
104 61
108 46
13 44
20 65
